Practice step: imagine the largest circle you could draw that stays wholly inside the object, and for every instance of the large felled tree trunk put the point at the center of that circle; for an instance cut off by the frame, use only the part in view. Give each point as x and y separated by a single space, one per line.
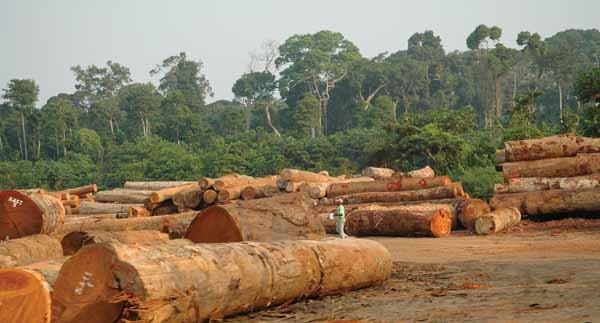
174 224
553 167
532 184
82 190
289 216
233 191
497 220
22 215
179 281
153 186
567 145
549 202
378 173
295 175
168 193
441 192
123 196
393 185
190 198
27 250
422 172
429 219
48 269
24 296
105 208
72 242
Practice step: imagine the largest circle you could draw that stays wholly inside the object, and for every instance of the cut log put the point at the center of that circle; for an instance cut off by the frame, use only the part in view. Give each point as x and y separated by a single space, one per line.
104 208
138 211
189 199
281 183
154 186
441 192
402 184
73 201
232 180
532 184
284 217
460 192
378 173
315 190
469 210
497 220
179 281
550 202
82 190
553 167
428 219
22 215
234 190
329 223
254 192
295 175
174 224
167 193
92 217
423 172
72 242
210 196
89 197
28 250
24 296
122 196
566 145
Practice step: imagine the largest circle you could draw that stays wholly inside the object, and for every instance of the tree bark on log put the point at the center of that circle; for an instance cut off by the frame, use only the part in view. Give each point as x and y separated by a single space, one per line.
500 157
254 192
22 215
82 190
567 145
441 192
189 199
294 186
72 242
167 193
125 196
532 184
402 184
232 180
27 250
104 208
429 219
234 191
289 216
423 172
295 175
550 202
553 167
173 224
24 296
153 186
378 173
497 220
179 281
271 190
469 210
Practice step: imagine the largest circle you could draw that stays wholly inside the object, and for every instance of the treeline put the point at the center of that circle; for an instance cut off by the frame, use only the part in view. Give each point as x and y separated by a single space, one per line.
313 102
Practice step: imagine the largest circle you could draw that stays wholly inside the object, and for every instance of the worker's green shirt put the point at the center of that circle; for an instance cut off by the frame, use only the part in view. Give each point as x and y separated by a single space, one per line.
341 211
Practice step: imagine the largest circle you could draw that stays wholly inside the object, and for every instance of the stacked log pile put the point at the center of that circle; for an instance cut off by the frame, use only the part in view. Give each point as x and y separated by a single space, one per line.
552 175
416 202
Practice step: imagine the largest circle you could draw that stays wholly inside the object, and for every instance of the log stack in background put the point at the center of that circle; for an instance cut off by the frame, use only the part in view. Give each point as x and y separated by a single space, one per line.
552 175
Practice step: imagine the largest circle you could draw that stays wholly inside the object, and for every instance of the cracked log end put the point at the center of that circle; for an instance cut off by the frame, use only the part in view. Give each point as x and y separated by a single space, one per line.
214 224
24 296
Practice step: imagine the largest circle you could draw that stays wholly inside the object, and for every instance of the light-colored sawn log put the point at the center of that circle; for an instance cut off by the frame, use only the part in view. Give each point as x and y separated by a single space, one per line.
497 220
179 281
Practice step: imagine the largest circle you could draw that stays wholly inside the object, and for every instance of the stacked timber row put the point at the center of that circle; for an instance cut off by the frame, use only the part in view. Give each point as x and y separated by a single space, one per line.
552 175
397 203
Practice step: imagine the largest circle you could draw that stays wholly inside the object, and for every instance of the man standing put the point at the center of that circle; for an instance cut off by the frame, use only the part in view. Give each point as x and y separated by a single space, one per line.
341 219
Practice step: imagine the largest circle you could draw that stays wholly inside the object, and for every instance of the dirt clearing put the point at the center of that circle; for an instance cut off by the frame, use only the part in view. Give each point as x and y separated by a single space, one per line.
546 271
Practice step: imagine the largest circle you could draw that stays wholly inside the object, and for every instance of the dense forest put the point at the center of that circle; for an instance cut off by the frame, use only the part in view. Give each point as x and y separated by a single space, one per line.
312 102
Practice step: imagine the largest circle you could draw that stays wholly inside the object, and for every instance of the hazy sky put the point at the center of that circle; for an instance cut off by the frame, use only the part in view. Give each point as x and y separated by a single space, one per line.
43 39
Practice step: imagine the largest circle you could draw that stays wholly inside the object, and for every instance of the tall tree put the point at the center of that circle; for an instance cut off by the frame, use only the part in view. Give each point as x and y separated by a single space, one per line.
21 95
587 86
96 88
256 89
141 103
318 61
186 76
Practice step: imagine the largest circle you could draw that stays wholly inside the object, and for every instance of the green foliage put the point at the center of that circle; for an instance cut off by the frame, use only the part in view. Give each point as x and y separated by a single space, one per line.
587 86
87 142
479 181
